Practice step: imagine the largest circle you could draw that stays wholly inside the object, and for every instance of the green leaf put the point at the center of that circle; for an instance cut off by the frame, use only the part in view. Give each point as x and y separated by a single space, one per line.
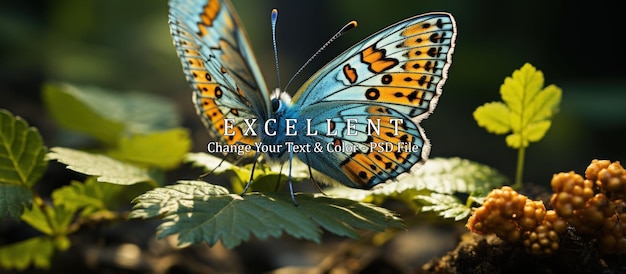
209 162
441 178
90 197
266 176
494 117
78 110
106 115
54 222
105 168
199 211
22 151
13 200
164 149
36 251
545 104
527 109
447 206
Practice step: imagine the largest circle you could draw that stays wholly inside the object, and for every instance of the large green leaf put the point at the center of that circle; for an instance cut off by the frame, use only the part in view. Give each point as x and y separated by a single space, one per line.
22 163
434 185
22 151
199 211
106 115
35 251
164 149
105 168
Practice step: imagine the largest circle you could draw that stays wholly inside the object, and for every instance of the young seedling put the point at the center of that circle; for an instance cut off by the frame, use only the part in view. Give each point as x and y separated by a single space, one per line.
524 114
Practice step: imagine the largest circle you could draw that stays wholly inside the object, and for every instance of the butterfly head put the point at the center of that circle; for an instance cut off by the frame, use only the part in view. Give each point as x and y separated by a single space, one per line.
280 101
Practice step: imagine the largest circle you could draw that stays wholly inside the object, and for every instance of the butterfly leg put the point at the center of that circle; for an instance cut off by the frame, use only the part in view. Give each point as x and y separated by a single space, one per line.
245 189
293 197
315 183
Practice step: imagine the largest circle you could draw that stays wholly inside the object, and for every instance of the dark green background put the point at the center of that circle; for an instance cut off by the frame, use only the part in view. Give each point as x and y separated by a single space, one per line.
125 45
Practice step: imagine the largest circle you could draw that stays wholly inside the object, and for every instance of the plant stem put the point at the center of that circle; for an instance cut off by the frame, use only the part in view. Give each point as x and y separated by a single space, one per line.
520 168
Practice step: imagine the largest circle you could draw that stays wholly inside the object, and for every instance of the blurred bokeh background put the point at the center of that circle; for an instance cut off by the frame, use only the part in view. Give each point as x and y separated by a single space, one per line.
125 45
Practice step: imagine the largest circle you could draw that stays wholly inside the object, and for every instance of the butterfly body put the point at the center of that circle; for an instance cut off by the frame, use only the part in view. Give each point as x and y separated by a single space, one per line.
355 120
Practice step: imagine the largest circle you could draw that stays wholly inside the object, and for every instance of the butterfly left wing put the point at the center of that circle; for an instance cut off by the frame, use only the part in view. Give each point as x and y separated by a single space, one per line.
397 73
219 65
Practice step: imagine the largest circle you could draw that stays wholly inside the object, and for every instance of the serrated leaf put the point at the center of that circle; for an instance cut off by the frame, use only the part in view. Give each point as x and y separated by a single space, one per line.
341 216
545 104
22 153
519 90
445 175
494 117
164 149
105 168
90 196
446 205
529 106
36 251
106 115
199 211
13 200
438 176
54 222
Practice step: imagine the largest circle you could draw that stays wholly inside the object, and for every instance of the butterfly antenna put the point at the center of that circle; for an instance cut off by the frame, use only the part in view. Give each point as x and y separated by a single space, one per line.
350 25
274 19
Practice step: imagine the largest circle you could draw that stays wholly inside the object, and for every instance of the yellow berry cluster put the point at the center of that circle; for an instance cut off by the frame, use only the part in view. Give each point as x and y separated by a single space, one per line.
594 205
515 218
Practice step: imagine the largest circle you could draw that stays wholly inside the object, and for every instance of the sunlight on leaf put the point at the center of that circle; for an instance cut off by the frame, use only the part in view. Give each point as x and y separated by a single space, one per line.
105 168
446 205
22 153
36 251
106 115
89 197
494 117
59 219
198 211
527 109
441 175
164 149
441 178
67 107
266 176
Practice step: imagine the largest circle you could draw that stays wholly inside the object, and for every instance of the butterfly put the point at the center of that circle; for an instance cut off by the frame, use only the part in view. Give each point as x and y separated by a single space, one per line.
355 120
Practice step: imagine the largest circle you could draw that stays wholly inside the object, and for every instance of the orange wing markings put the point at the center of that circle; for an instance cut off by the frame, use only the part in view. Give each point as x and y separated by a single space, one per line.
432 52
422 66
396 95
210 11
350 73
364 166
421 27
376 59
216 116
425 39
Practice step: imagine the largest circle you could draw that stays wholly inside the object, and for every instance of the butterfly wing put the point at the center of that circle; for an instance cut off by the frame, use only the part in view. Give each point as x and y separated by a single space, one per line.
219 65
397 73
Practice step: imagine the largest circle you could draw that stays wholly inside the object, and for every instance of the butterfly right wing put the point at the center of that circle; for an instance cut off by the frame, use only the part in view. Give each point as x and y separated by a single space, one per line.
219 66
